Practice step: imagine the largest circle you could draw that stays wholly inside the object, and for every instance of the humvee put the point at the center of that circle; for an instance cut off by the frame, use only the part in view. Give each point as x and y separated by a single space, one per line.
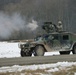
54 40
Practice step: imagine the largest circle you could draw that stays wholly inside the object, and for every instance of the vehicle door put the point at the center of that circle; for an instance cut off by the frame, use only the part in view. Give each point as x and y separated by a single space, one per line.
53 41
66 41
56 44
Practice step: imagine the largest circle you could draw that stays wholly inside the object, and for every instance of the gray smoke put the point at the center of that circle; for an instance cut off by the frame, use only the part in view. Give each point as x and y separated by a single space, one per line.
10 23
32 25
14 23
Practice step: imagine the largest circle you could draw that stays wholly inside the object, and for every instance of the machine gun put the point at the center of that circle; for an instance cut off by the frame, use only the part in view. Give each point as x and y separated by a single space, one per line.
49 27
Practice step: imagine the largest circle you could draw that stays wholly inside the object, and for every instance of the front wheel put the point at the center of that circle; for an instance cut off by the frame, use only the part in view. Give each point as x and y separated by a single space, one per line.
64 52
74 49
39 51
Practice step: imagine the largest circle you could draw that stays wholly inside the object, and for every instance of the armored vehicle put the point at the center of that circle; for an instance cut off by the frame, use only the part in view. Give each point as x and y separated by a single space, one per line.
54 40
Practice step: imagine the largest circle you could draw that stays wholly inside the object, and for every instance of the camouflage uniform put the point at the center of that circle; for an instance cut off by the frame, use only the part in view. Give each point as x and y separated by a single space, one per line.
60 27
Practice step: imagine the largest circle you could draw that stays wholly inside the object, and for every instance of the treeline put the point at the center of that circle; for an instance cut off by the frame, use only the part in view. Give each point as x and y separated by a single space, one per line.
40 11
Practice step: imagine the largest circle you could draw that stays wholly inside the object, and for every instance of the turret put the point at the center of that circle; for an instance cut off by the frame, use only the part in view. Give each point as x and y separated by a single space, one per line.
49 27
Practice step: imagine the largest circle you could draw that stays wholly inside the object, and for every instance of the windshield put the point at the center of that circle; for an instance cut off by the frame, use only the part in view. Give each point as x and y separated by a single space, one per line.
38 38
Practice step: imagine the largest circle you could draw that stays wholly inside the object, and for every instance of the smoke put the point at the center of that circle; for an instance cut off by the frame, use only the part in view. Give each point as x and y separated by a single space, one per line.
14 23
10 23
32 26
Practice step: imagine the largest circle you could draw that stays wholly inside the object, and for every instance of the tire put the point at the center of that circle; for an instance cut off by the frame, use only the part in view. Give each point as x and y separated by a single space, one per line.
64 52
39 51
74 49
24 54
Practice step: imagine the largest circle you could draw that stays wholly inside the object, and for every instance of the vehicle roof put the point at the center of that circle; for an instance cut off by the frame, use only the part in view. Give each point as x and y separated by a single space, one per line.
63 32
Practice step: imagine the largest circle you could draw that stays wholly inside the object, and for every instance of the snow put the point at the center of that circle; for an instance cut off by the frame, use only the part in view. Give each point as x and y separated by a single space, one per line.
52 67
10 50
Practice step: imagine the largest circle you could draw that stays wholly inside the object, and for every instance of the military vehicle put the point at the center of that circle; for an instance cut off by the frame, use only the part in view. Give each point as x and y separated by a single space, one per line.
54 40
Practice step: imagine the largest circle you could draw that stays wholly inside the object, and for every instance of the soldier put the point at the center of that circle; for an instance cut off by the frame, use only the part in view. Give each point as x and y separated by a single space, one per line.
60 27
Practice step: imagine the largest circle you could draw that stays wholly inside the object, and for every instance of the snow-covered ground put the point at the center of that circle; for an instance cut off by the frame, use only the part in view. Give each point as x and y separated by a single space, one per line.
10 50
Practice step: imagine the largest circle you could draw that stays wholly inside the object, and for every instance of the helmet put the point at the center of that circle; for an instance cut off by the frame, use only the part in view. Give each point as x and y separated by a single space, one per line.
59 22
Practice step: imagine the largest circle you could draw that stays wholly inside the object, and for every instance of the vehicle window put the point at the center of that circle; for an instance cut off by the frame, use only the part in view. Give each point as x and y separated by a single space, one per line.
65 37
37 38
46 37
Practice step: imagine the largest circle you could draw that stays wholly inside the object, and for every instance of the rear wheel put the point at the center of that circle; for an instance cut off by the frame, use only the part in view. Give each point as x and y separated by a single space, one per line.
39 50
64 52
24 54
74 49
